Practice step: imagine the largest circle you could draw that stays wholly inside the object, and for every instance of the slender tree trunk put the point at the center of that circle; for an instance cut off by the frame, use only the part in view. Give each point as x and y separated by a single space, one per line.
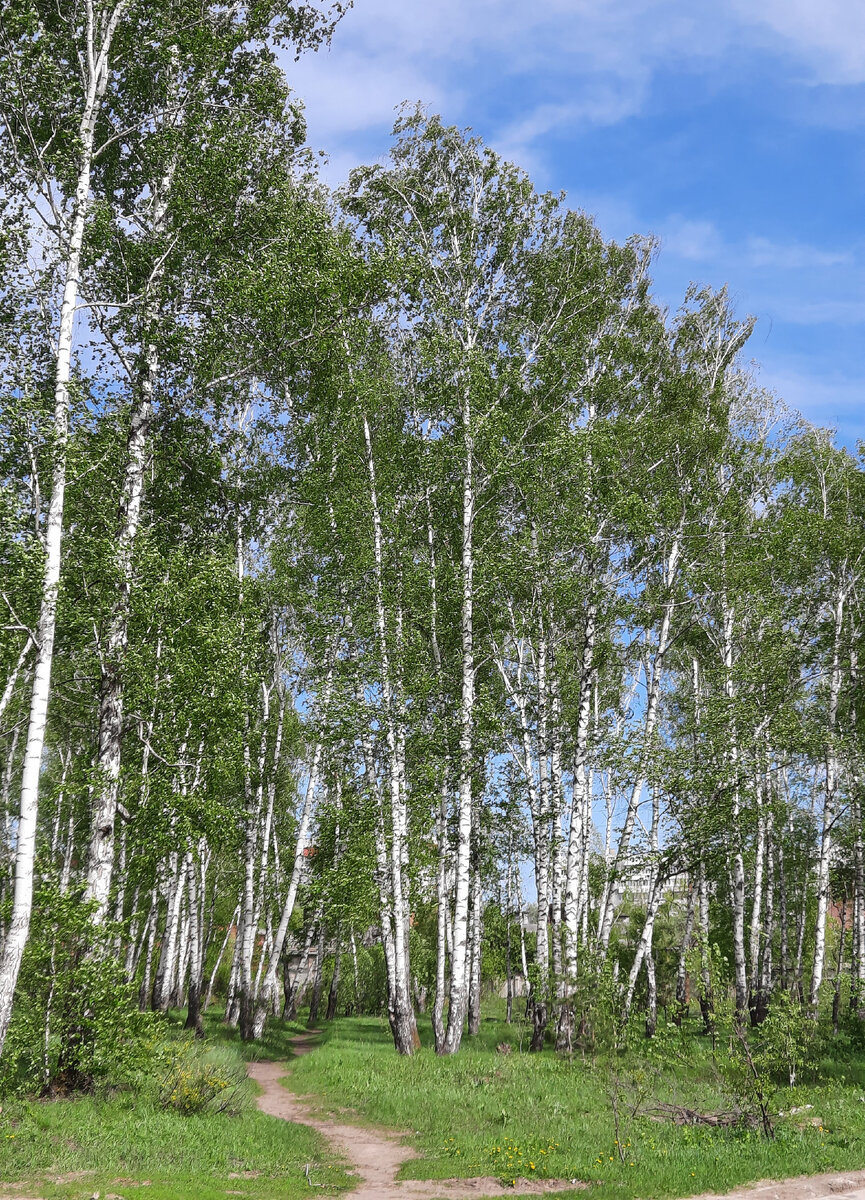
839 968
250 910
318 979
168 956
509 973
9 689
100 862
458 997
681 1010
858 985
268 985
196 924
755 931
644 945
333 993
784 916
580 804
764 984
825 855
209 997
441 922
650 719
474 986
355 972
96 59
707 999
524 962
153 921
651 994
737 861
177 992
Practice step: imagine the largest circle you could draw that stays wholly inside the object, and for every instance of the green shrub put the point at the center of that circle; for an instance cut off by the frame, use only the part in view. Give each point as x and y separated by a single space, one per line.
75 1022
193 1078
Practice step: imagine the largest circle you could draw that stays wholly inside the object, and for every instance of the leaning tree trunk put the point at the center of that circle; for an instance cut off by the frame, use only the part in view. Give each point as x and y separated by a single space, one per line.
234 918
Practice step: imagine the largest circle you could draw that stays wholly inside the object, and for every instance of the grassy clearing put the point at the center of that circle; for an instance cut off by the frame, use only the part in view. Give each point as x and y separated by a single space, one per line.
482 1112
513 1115
120 1141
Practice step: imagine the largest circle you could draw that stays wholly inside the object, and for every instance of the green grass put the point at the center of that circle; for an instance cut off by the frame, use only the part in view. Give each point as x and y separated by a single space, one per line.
479 1113
114 1143
482 1112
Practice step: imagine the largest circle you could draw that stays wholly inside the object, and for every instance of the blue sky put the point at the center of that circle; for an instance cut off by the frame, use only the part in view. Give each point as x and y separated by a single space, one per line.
734 130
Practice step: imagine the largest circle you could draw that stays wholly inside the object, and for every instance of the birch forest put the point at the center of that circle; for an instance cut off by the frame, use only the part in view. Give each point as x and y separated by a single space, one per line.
390 583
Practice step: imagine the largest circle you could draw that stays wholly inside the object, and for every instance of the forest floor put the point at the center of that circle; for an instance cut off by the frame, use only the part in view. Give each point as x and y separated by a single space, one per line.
488 1121
494 1110
376 1156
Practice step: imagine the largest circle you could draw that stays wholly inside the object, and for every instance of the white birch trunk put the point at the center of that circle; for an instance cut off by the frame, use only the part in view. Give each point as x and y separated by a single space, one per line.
268 985
829 800
458 998
653 694
209 997
580 806
97 68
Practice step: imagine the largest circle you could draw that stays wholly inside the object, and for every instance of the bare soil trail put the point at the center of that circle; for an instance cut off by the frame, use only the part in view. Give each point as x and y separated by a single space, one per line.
849 1185
375 1156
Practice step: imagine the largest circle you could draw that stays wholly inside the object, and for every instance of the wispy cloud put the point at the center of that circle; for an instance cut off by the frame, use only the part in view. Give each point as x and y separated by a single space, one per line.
793 256
694 240
835 399
538 82
825 36
563 61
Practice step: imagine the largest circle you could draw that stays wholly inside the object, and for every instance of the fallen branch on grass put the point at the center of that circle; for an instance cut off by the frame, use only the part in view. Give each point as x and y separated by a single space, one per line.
680 1115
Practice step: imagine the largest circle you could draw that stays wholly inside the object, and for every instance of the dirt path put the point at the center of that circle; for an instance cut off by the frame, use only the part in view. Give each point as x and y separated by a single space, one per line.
848 1186
375 1156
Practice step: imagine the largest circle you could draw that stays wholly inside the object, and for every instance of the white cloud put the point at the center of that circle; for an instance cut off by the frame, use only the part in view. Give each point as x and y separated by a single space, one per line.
826 36
836 400
841 313
563 61
761 252
696 241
